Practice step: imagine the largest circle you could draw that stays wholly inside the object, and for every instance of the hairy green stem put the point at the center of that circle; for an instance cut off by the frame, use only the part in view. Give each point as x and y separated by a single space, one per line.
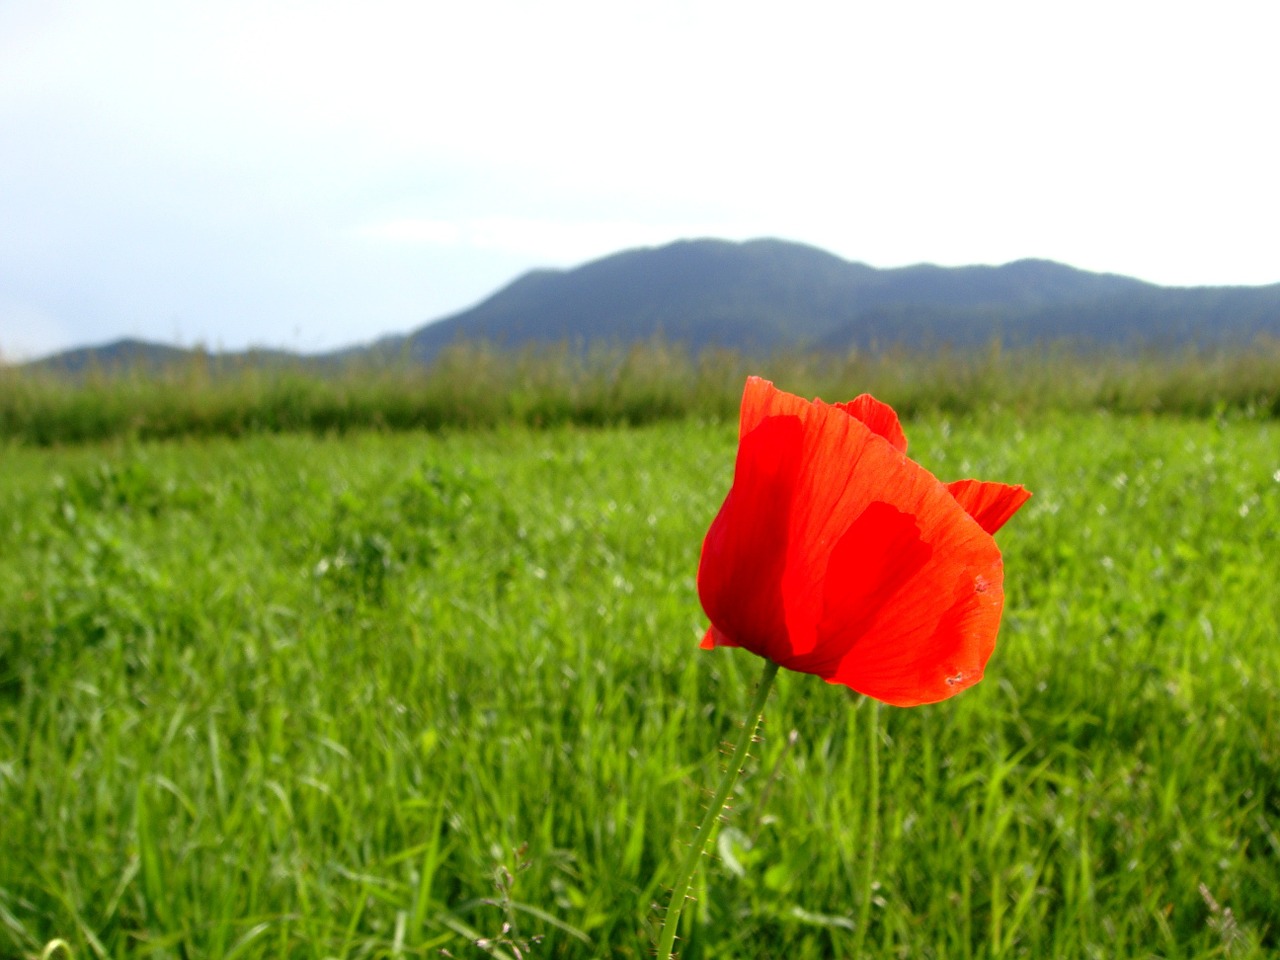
684 879
872 829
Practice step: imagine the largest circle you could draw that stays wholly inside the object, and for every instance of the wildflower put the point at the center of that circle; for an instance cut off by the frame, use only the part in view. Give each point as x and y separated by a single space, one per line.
835 554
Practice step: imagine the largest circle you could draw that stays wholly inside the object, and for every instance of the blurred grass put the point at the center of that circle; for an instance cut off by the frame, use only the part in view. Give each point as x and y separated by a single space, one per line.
473 385
297 696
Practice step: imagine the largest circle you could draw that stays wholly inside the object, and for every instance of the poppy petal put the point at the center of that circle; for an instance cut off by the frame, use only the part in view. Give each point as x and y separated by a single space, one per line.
740 574
930 661
879 417
761 399
991 504
931 624
873 560
714 638
842 467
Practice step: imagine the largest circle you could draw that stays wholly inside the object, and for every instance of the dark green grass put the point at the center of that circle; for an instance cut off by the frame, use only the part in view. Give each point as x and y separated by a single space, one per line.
475 386
314 697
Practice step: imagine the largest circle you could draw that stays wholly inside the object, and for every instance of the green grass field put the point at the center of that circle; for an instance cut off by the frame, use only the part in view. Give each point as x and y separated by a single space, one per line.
477 386
378 695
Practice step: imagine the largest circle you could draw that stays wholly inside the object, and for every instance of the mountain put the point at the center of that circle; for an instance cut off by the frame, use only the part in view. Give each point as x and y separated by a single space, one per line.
771 294
765 295
130 355
127 354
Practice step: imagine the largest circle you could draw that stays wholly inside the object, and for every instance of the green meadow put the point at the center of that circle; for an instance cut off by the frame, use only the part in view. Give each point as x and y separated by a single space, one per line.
474 385
342 690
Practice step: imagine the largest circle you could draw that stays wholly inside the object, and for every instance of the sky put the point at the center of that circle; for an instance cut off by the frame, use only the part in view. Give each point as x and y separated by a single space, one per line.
312 175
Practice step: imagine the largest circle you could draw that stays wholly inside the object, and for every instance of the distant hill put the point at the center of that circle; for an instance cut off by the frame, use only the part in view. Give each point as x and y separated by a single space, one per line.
131 355
772 294
127 354
764 295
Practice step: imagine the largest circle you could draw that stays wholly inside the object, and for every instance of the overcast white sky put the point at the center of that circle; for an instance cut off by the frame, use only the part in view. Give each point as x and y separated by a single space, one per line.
316 174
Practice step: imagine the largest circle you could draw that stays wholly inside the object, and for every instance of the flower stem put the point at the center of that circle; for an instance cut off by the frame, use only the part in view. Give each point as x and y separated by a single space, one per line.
684 880
871 833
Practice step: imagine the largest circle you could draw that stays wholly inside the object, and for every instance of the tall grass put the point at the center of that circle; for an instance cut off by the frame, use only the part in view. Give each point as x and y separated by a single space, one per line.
474 385
378 696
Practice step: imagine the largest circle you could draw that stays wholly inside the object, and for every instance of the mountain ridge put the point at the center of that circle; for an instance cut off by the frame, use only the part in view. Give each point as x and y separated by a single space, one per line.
767 294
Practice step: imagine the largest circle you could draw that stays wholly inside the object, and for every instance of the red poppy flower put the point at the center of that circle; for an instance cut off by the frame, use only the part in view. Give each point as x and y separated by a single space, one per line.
835 554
